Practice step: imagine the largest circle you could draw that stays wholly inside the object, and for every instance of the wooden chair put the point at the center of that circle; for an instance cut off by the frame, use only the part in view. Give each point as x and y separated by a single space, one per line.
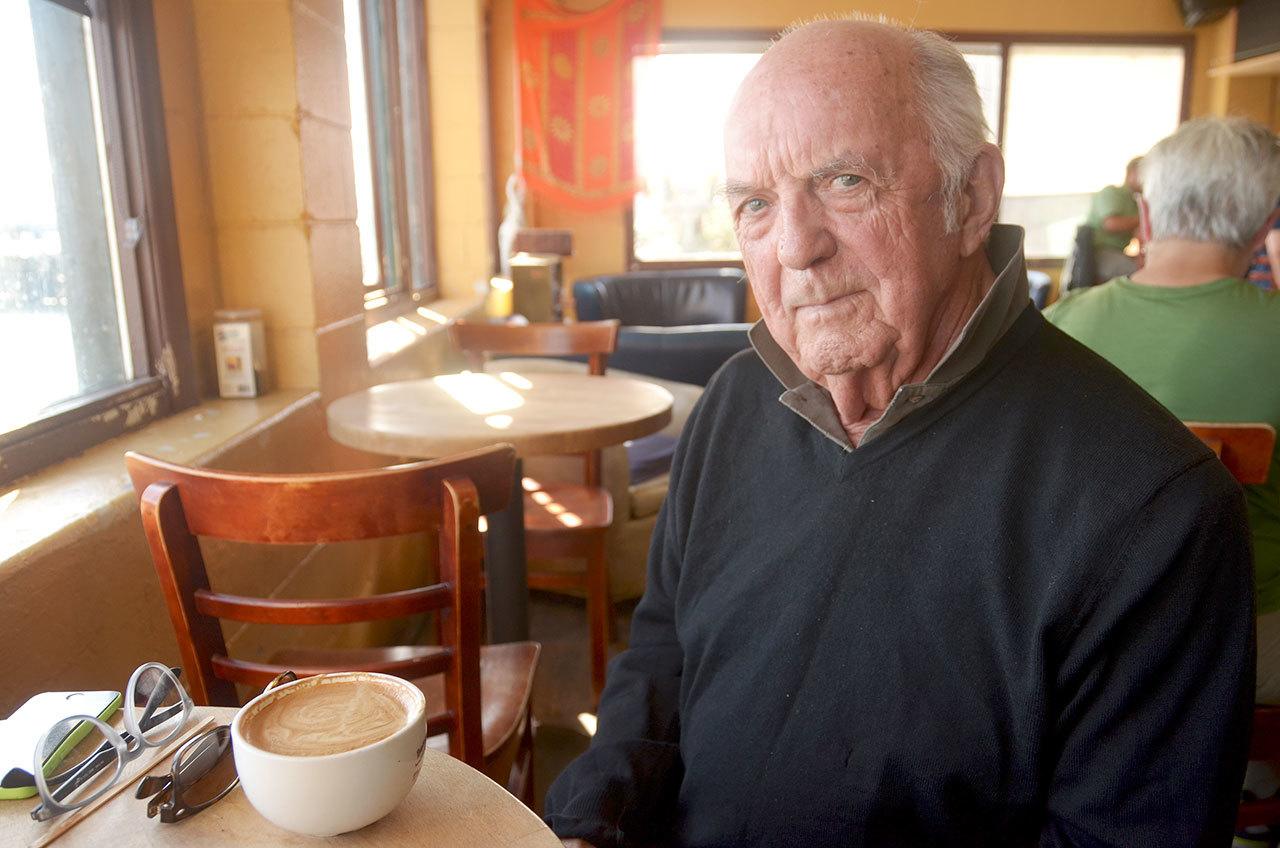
1246 450
547 535
477 695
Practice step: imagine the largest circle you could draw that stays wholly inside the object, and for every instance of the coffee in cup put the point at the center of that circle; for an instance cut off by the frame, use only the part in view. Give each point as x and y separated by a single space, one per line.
331 753
328 719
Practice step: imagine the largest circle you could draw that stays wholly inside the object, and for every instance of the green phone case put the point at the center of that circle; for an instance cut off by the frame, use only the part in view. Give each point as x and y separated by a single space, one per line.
68 745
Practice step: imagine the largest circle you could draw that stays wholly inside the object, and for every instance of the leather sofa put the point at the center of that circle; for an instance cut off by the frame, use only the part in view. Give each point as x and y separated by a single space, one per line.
676 325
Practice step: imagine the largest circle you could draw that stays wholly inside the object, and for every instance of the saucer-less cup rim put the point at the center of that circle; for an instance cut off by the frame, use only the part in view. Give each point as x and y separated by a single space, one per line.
414 712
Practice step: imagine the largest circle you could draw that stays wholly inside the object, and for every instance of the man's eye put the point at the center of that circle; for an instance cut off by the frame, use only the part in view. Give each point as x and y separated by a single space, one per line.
846 181
755 204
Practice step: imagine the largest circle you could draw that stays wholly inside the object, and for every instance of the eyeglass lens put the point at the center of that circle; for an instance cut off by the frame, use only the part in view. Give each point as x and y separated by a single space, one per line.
76 782
156 695
206 770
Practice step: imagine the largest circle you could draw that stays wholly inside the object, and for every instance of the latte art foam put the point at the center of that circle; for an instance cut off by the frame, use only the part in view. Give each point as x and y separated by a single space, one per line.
328 718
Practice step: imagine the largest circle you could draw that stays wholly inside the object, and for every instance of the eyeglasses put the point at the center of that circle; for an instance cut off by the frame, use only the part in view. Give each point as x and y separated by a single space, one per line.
204 771
156 708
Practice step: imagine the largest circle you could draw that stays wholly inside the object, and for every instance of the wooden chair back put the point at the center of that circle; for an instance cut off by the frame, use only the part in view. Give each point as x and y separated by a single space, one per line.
180 503
594 339
543 240
1245 449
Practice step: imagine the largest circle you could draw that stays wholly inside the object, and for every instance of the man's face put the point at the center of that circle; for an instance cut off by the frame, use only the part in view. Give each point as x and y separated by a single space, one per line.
836 204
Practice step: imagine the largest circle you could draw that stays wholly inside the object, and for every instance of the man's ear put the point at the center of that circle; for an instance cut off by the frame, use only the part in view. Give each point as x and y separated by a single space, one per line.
980 201
1144 219
1260 237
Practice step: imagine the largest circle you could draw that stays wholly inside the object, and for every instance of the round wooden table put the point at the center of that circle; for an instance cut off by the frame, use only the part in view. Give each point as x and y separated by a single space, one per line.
537 412
451 804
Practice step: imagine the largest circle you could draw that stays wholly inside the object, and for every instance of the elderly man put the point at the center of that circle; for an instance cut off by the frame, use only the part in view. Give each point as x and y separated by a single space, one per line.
929 572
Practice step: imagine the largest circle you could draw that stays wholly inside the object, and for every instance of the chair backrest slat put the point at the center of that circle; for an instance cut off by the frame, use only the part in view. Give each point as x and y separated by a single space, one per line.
258 675
1245 448
328 611
550 339
316 508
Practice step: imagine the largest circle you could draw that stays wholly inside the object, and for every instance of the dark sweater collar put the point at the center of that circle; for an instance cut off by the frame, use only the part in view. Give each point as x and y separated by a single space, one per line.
995 314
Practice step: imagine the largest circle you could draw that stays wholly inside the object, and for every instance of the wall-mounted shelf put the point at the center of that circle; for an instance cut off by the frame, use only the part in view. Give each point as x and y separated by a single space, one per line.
1266 65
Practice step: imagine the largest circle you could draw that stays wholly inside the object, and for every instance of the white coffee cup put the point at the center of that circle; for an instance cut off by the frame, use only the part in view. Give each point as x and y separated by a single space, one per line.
332 793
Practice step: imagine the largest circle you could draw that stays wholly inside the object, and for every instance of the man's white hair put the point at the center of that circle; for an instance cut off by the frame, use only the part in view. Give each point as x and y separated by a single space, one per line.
1214 180
948 102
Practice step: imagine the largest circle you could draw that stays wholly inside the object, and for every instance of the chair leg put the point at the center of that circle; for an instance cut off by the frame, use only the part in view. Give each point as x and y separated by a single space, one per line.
527 789
520 781
598 613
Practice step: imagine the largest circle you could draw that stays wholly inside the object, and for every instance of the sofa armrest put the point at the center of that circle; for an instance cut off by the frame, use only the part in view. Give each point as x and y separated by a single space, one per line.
682 354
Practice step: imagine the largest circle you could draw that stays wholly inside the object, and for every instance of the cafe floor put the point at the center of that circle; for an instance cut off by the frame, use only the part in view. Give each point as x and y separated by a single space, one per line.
562 689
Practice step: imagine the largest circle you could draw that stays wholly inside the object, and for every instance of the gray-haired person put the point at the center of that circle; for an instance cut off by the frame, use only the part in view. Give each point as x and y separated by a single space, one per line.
1189 329
929 572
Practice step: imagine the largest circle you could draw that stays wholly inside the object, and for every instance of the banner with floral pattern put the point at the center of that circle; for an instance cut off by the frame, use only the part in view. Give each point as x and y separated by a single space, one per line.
576 117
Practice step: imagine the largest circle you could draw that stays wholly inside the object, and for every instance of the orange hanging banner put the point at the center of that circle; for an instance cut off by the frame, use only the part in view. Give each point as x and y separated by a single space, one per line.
576 118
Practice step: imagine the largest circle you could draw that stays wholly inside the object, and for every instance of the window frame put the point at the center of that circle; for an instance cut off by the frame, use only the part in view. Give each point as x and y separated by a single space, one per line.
128 73
389 299
1004 40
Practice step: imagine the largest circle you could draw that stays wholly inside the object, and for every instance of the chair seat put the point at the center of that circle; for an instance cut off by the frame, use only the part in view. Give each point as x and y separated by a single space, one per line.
506 684
650 456
584 508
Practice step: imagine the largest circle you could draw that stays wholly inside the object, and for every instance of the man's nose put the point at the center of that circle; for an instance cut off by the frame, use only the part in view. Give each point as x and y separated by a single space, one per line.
804 240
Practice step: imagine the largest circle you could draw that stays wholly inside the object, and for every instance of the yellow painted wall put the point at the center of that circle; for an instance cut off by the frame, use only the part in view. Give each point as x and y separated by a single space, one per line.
599 240
1251 97
258 126
460 144
259 121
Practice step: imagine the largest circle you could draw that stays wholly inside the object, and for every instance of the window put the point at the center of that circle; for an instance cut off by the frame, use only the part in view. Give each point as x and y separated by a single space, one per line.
1073 115
987 63
93 336
681 102
391 147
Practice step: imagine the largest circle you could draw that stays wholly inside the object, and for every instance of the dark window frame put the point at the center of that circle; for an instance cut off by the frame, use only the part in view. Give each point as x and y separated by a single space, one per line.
127 67
399 286
1005 41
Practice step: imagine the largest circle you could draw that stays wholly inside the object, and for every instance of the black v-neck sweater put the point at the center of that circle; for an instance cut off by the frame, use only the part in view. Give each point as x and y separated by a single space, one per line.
1023 616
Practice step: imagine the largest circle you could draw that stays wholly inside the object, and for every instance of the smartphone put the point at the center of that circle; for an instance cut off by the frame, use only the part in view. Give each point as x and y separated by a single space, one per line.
20 732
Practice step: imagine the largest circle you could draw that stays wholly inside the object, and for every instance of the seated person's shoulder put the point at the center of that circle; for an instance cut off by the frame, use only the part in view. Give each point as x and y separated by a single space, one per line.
744 372
1090 413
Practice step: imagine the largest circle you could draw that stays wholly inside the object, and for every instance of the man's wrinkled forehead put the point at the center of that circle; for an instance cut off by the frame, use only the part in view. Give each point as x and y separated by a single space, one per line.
816 93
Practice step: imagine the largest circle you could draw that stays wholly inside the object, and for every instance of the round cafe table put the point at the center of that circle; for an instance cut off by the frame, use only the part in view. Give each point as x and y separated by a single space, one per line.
451 804
536 412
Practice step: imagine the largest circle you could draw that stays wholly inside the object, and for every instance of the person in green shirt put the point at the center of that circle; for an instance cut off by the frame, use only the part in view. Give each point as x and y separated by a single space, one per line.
1113 215
1189 329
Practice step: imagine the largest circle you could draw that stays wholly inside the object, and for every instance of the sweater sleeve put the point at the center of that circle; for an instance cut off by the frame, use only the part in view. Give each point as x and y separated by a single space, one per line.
623 789
1155 686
